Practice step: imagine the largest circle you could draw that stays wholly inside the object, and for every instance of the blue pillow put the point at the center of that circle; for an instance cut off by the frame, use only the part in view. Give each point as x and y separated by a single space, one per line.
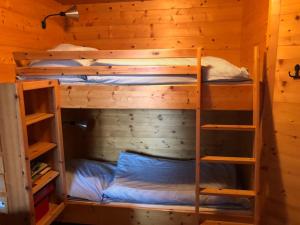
150 180
144 179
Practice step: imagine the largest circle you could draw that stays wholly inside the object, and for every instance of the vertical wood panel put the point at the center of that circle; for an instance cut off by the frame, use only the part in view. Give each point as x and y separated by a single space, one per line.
281 153
254 28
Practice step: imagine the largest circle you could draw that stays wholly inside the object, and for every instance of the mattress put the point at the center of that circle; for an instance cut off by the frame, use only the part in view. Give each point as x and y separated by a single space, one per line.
99 182
213 70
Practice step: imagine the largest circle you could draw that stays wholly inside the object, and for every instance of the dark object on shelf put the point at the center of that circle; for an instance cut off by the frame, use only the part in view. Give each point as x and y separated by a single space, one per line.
297 72
41 201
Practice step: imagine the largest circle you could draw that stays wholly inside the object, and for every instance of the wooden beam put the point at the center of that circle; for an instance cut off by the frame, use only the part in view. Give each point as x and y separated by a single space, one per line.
108 54
108 70
229 160
227 192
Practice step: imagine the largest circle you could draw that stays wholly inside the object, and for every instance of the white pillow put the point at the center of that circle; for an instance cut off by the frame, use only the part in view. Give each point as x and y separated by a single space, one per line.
214 68
65 63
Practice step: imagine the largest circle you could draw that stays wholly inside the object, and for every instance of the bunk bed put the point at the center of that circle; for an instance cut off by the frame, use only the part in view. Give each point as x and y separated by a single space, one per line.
196 95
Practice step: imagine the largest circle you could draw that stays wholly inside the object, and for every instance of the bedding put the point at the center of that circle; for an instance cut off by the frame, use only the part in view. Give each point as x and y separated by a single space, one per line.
213 69
87 179
65 63
149 180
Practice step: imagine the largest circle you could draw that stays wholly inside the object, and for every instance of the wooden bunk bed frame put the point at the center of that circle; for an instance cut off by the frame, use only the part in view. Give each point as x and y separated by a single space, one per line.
199 96
216 96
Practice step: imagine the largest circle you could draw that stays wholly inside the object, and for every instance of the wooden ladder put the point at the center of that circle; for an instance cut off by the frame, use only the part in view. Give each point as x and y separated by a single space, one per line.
254 160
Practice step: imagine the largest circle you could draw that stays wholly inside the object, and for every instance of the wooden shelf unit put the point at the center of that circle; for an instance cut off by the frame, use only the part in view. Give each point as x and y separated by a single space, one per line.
36 137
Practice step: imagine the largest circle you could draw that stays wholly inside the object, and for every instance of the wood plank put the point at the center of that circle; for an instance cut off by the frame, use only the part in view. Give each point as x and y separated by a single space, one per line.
167 208
108 70
13 152
215 97
228 160
44 180
2 183
54 211
37 117
108 54
227 192
39 148
33 85
198 134
128 212
22 32
1 165
228 127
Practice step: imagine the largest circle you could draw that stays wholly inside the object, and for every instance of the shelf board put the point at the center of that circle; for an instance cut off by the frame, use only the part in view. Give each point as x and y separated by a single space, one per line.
37 117
44 180
52 214
41 84
228 127
228 160
227 192
39 148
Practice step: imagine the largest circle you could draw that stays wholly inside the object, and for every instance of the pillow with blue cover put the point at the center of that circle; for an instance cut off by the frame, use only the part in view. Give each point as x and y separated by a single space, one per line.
86 179
151 180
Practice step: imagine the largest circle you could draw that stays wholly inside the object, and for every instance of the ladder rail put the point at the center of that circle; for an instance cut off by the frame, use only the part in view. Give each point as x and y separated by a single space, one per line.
257 135
198 130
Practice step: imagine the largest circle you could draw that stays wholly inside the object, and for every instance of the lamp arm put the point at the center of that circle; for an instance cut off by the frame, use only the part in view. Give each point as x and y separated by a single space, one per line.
56 14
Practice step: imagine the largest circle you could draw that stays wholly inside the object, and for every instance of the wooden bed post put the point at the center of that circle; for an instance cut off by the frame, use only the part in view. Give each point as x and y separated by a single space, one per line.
198 129
257 135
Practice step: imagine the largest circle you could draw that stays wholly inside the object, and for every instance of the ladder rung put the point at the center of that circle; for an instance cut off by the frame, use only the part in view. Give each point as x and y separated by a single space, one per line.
227 192
228 160
228 127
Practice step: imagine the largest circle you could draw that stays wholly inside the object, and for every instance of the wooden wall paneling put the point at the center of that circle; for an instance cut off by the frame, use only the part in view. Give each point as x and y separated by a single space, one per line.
167 133
281 164
21 30
254 30
213 25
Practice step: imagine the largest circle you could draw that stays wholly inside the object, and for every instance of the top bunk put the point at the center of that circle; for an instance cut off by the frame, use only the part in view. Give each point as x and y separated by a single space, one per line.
137 79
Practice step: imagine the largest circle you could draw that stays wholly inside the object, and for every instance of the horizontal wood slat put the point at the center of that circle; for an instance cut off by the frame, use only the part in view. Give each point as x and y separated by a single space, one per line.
215 97
108 70
228 160
108 54
33 85
228 127
227 192
39 149
37 117
44 180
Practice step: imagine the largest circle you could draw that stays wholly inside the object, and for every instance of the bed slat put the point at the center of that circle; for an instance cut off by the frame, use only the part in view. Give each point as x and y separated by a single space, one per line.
108 70
108 54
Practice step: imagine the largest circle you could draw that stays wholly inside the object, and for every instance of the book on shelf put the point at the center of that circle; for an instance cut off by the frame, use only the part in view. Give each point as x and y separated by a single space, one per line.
38 170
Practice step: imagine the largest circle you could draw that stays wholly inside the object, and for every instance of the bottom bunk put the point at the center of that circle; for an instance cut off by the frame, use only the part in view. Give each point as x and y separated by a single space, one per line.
160 178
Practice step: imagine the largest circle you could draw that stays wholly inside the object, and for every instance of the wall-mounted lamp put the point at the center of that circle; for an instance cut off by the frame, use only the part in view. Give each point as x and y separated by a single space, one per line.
70 13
